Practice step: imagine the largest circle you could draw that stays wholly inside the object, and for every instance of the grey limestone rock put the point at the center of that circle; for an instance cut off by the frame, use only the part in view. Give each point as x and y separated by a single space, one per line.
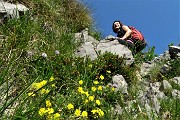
8 10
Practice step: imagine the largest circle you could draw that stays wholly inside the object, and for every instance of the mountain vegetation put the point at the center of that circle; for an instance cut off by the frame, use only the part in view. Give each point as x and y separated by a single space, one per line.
42 79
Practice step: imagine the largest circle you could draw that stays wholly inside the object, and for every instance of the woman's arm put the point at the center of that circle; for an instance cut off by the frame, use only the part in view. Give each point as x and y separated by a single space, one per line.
128 32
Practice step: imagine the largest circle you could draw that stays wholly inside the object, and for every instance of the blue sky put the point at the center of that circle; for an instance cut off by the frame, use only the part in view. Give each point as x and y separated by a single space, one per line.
158 20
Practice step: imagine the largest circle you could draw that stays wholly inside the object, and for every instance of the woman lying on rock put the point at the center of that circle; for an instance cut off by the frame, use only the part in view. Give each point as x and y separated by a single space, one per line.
129 36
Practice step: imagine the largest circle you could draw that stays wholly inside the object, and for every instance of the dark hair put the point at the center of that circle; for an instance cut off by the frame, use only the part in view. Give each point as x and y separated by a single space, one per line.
114 30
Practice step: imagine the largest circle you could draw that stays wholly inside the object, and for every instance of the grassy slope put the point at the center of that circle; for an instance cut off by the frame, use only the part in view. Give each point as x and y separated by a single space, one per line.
33 85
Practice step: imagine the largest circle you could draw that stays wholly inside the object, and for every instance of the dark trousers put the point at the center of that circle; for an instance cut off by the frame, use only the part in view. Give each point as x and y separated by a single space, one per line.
134 45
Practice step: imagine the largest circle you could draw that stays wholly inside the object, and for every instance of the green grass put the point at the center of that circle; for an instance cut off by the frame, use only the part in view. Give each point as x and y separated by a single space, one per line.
171 106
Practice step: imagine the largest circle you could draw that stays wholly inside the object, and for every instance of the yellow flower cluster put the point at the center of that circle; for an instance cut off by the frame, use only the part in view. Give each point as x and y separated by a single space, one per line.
98 88
80 90
90 98
38 85
48 103
78 113
43 111
99 111
48 111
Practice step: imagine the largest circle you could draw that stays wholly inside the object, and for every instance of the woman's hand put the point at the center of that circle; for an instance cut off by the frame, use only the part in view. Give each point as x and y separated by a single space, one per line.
121 38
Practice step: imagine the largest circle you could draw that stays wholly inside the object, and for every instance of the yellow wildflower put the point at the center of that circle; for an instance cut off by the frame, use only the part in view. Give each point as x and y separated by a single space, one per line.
44 91
86 93
93 89
56 115
84 114
90 65
80 89
86 101
91 98
42 83
100 112
93 111
48 103
51 79
53 85
39 85
112 88
99 87
108 71
70 106
50 110
101 77
77 112
42 111
96 82
98 102
80 82
31 94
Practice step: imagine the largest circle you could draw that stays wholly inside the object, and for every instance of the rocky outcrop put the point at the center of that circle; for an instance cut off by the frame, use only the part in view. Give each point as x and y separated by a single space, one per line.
8 10
150 93
92 47
174 51
116 48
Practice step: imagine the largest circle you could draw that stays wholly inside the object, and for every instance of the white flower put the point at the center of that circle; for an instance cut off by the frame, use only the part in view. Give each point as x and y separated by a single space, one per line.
44 55
29 53
56 52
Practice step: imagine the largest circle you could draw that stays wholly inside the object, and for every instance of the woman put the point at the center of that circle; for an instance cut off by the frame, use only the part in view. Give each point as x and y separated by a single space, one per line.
129 36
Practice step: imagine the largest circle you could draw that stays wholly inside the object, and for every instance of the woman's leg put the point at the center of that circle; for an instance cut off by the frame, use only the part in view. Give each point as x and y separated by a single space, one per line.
139 46
128 43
